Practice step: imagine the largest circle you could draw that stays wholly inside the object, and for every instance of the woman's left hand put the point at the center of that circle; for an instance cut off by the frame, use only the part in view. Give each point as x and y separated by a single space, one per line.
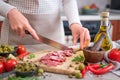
80 32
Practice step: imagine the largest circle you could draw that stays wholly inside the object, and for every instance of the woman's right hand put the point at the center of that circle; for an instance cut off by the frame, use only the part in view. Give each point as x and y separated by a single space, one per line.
19 24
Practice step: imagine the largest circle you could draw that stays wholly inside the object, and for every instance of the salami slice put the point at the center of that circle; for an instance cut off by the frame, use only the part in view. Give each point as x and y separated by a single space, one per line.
55 58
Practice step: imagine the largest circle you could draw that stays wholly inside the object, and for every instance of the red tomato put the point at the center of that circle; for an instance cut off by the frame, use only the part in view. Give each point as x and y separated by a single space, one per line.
10 64
21 49
114 54
23 55
1 67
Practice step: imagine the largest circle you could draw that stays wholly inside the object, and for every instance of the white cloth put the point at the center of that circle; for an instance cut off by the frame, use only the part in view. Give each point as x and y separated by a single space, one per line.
44 17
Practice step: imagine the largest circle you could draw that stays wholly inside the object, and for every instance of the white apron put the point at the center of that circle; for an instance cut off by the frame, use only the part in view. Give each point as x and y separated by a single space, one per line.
43 25
48 25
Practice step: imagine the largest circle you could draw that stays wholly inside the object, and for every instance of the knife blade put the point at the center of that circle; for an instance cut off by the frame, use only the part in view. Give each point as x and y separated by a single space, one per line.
51 42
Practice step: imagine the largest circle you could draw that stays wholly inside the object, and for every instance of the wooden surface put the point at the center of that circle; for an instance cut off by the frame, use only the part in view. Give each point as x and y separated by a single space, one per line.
116 30
60 69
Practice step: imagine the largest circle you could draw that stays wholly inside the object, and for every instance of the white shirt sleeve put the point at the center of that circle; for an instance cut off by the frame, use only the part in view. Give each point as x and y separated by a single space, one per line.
5 8
71 11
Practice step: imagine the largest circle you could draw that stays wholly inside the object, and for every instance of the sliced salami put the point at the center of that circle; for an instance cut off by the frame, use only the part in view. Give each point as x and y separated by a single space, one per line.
55 58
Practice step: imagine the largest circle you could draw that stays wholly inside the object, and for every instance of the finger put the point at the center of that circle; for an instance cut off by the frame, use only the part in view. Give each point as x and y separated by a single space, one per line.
32 32
19 30
87 34
15 29
86 43
82 40
87 38
75 39
22 32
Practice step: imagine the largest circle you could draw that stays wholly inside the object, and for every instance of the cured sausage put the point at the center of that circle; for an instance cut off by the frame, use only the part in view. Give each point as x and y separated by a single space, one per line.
54 58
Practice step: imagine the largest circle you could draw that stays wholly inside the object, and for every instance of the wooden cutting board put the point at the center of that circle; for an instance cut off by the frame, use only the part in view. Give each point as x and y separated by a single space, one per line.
68 67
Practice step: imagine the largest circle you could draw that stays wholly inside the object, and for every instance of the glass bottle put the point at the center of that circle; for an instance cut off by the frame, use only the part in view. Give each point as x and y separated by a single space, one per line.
104 28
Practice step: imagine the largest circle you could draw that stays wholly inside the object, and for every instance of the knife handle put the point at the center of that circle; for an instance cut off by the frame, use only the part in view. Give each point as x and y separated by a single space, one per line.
27 32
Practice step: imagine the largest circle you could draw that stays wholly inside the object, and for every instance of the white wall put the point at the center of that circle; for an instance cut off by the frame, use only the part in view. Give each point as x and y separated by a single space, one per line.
100 3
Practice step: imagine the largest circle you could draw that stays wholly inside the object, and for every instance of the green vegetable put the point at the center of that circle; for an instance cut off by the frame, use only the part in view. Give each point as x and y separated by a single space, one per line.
26 66
78 59
31 56
40 71
81 66
102 65
78 75
4 48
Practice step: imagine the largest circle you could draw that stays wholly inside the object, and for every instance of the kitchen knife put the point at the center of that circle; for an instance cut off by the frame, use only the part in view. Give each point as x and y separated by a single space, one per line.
51 42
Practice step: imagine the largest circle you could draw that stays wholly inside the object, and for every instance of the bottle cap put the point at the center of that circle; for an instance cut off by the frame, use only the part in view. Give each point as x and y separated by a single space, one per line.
105 14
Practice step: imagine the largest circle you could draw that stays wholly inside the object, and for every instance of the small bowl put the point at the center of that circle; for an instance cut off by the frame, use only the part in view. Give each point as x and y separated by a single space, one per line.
89 11
93 56
27 73
7 54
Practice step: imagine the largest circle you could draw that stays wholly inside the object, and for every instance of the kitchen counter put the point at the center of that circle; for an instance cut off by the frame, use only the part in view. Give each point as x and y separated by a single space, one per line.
53 76
113 16
88 75
96 17
93 17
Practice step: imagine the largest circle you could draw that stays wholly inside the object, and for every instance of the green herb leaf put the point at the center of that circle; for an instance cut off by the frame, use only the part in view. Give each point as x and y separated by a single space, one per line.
78 59
102 65
31 56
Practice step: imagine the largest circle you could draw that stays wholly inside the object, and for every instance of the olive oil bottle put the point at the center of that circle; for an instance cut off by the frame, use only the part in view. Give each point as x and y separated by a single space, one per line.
104 28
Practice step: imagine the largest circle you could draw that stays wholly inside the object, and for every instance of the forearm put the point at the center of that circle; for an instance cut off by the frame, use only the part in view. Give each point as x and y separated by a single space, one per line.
5 8
71 11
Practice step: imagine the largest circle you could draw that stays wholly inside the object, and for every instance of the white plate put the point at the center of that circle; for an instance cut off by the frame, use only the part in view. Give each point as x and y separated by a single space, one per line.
117 64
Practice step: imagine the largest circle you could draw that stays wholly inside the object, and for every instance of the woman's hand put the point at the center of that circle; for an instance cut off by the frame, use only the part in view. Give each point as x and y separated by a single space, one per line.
80 32
19 24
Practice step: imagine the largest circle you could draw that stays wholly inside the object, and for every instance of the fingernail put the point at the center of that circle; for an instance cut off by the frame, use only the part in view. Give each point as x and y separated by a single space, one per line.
37 38
81 47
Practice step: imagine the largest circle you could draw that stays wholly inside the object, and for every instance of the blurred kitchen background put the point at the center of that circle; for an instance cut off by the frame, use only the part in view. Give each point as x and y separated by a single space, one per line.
101 4
89 11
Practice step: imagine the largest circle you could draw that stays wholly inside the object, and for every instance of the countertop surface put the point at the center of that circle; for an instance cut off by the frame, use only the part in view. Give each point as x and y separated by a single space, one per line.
113 16
53 76
88 75
94 17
